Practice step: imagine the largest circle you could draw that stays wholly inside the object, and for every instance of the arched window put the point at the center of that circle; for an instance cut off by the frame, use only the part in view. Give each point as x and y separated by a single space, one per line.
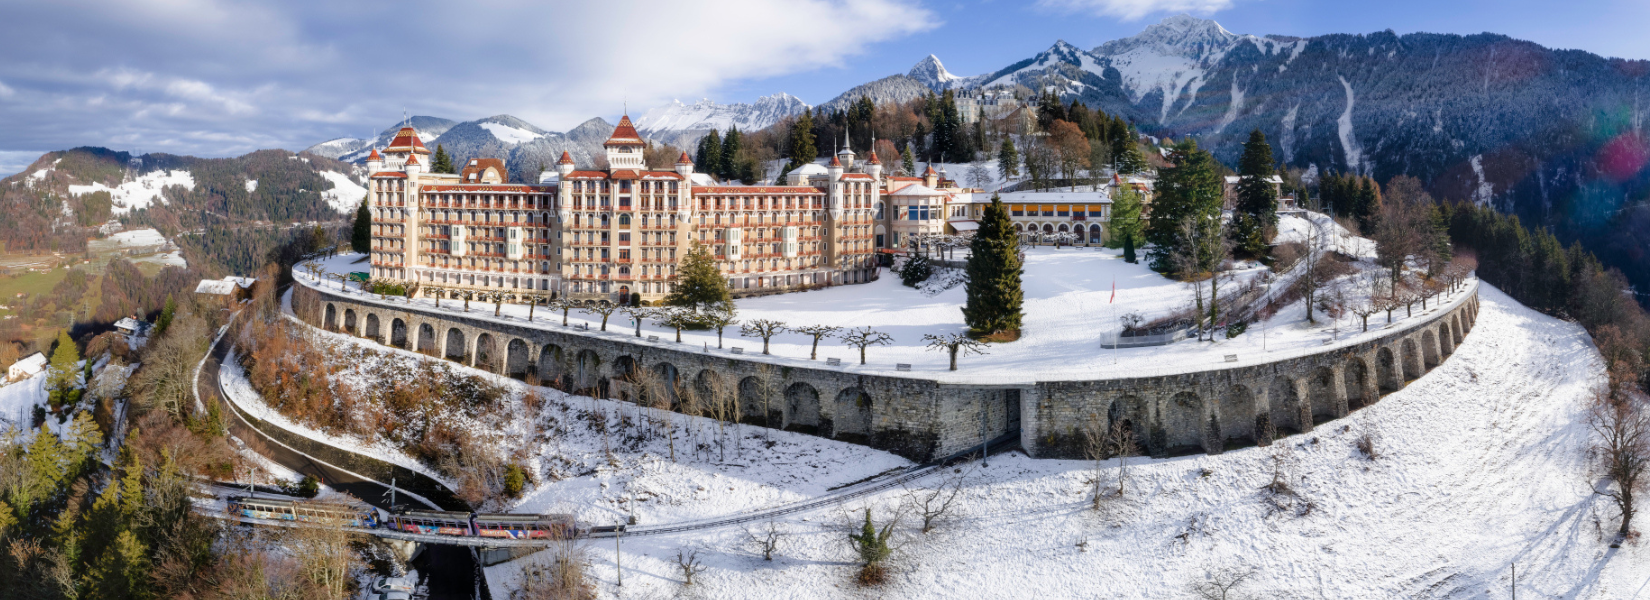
624 220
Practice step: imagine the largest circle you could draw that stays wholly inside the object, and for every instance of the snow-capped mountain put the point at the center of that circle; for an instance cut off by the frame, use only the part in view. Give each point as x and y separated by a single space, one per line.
932 73
682 124
349 149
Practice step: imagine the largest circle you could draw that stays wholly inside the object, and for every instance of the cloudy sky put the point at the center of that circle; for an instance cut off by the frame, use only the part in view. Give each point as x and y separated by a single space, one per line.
224 77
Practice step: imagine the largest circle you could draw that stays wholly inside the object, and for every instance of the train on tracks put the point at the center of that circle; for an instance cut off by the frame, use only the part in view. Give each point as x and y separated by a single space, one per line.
426 522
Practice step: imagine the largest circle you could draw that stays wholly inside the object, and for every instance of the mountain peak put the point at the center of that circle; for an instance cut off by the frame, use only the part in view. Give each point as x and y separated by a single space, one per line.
931 72
1178 35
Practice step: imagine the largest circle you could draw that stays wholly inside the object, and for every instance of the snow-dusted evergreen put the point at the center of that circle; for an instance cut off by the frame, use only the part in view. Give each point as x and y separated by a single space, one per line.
682 124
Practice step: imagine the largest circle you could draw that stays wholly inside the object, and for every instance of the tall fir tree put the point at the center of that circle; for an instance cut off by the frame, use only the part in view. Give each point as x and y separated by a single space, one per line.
1128 157
1008 159
995 297
442 162
166 313
732 144
699 283
804 148
63 375
1192 188
709 155
908 162
1126 224
360 234
1256 211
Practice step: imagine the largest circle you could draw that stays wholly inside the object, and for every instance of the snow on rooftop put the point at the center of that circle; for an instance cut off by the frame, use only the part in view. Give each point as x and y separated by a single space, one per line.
139 193
216 287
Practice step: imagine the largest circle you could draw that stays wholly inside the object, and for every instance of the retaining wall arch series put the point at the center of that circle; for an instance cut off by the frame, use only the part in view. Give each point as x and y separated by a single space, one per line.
921 419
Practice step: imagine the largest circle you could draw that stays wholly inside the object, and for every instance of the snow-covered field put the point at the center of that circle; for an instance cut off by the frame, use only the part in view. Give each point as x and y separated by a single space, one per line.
1068 309
141 192
18 399
1480 466
345 194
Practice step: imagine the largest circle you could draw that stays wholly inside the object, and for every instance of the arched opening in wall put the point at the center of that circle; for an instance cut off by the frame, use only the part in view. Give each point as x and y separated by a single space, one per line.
586 374
549 367
665 383
755 403
1237 417
1411 359
1320 389
1285 406
1387 373
1131 411
398 333
802 408
349 321
1429 348
851 415
1184 424
1356 376
330 323
486 353
516 361
372 328
455 346
1455 328
427 344
1446 341
624 377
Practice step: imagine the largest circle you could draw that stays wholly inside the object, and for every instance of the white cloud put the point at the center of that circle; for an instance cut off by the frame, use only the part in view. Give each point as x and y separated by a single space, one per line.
291 73
1132 10
6 91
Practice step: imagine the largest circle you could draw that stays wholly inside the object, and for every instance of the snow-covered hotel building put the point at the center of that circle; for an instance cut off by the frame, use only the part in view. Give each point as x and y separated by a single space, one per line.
619 232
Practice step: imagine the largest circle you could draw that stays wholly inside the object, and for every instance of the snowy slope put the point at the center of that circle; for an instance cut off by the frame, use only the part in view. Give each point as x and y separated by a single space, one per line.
932 73
675 123
142 192
1480 467
508 134
345 194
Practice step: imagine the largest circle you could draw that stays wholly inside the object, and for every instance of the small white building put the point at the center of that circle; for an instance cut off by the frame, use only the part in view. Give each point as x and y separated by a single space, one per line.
35 364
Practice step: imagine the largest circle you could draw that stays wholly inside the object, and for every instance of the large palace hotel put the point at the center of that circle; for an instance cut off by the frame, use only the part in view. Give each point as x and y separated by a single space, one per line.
613 233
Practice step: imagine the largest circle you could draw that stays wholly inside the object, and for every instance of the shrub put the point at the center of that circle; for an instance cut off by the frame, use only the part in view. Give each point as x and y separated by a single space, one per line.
515 479
917 269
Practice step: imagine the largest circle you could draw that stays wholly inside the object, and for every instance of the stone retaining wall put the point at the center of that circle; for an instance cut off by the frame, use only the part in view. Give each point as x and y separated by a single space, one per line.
919 418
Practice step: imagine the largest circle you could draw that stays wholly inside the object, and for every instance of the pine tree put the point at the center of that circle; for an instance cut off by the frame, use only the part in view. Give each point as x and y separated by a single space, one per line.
360 238
63 378
443 162
1008 159
908 162
165 318
804 148
709 156
1257 200
1190 189
1126 223
732 143
699 284
994 293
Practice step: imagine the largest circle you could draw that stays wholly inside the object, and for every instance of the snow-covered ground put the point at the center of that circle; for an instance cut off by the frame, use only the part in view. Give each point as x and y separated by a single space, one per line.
1480 466
141 192
508 134
345 194
18 399
1068 309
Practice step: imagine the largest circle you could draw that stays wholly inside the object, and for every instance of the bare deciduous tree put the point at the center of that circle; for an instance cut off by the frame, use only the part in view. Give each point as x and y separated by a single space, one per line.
763 328
597 308
1104 441
637 315
1620 446
719 317
934 505
816 332
954 344
865 337
767 539
1222 584
688 563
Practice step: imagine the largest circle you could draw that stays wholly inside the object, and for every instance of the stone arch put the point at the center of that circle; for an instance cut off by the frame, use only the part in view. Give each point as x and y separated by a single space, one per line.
427 344
802 408
455 349
1446 340
516 361
1323 391
1355 376
1429 348
1238 412
330 323
1131 410
1184 422
851 417
349 321
486 353
372 328
752 397
398 333
587 372
1285 406
1387 373
549 366
707 383
1455 328
667 377
624 375
1411 359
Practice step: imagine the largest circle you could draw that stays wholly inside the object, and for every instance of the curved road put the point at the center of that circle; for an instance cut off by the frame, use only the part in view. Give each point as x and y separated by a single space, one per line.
452 572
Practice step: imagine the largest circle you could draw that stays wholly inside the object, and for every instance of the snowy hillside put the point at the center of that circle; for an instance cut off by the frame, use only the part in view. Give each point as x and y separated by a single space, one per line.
140 192
675 122
350 149
1479 466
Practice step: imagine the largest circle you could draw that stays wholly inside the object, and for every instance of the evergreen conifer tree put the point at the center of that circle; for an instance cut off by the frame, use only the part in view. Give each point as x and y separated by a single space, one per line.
699 283
442 162
732 143
1126 224
994 293
1192 188
360 239
1257 200
63 377
1008 159
709 156
804 148
1128 156
165 318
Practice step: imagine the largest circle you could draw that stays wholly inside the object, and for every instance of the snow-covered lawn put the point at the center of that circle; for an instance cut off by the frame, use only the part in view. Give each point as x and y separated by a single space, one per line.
1480 466
1069 308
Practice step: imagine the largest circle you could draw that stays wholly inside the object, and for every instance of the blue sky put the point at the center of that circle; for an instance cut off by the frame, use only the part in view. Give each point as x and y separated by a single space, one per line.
224 77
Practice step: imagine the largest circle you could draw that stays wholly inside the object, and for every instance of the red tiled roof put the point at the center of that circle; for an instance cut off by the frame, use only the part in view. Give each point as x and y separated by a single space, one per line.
396 174
565 159
374 155
745 190
407 140
835 162
412 160
624 135
929 170
905 179
874 160
478 166
623 174
587 175
684 159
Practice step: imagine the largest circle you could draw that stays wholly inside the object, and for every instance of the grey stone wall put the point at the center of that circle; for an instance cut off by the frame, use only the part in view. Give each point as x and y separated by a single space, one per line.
921 419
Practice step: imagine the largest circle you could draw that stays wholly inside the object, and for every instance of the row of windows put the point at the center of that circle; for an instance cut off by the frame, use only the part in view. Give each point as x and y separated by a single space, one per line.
624 186
1056 210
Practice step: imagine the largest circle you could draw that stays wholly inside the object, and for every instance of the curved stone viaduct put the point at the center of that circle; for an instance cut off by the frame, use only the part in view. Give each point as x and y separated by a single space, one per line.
1197 411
